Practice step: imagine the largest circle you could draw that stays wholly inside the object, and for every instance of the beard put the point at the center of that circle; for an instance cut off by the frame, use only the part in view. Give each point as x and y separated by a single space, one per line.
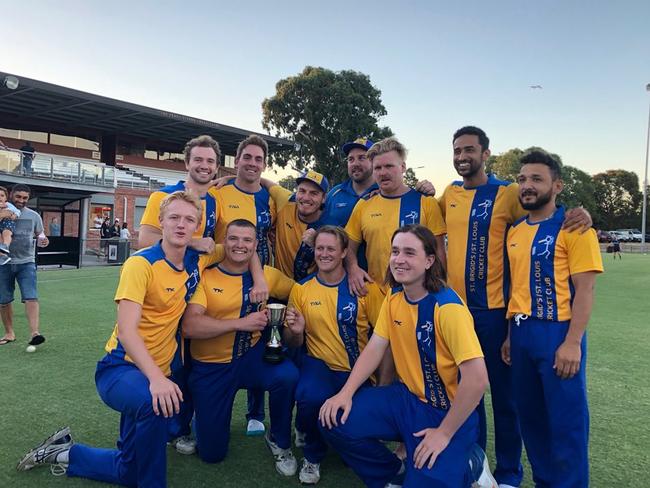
537 204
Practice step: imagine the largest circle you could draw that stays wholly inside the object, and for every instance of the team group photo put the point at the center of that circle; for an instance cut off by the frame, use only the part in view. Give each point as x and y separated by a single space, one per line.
318 301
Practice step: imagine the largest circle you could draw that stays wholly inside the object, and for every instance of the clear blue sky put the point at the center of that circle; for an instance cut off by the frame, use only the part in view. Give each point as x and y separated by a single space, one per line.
439 65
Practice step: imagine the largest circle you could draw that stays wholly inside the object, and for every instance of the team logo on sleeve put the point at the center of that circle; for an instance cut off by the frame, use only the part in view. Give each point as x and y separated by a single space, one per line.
485 207
545 248
424 334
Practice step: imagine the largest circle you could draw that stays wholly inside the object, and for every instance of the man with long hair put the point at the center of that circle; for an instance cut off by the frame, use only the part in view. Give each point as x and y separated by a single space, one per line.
443 377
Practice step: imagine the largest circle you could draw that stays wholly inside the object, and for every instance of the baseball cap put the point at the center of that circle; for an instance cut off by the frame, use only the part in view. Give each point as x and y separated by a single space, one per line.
316 178
360 142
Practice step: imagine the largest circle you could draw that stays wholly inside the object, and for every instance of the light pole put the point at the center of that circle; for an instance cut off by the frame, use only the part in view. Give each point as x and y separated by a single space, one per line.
645 179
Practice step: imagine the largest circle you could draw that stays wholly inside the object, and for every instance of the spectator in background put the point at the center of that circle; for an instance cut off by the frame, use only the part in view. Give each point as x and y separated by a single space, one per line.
115 228
28 157
55 228
616 247
124 232
105 233
22 268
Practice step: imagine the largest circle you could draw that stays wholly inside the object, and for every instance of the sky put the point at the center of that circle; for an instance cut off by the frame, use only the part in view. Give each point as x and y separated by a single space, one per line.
439 65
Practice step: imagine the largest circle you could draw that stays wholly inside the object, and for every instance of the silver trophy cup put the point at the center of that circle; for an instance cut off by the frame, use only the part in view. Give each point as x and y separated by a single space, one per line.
273 351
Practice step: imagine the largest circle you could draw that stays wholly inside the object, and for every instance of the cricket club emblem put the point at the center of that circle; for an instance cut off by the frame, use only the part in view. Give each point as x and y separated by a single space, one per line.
545 247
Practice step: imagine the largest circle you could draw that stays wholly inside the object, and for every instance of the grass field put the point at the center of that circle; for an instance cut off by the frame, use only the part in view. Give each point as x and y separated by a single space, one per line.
55 387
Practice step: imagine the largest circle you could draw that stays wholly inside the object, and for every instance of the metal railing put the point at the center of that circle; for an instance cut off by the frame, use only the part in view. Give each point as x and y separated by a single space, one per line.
70 170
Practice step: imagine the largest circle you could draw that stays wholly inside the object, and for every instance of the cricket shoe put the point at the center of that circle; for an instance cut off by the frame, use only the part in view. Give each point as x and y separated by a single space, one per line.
255 428
185 444
47 451
309 473
285 462
480 469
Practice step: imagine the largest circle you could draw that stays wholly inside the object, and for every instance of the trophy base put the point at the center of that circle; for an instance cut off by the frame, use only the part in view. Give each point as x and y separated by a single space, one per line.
273 355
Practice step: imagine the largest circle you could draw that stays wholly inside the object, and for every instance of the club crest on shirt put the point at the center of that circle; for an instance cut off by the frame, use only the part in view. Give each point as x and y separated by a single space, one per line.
424 334
411 218
264 218
349 310
545 248
485 206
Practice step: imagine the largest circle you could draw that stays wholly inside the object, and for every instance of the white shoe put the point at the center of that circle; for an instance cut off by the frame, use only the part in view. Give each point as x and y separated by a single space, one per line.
255 427
481 469
503 485
309 473
185 444
285 462
301 438
47 451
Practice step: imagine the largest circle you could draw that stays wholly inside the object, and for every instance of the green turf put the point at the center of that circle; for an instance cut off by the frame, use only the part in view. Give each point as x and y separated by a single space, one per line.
55 387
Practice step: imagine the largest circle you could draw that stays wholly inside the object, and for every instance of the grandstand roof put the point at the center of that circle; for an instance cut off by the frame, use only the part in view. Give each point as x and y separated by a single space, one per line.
39 106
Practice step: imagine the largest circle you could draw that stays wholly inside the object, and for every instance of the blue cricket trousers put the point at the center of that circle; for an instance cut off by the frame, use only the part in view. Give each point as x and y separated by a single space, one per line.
316 384
140 458
394 413
491 329
214 386
553 412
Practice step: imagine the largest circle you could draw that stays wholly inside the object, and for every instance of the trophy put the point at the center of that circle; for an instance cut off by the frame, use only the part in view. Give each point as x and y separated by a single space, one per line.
273 351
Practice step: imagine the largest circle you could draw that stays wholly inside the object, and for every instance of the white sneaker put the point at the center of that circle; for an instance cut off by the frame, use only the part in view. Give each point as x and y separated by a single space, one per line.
47 451
185 444
301 438
285 462
480 467
503 485
309 473
255 428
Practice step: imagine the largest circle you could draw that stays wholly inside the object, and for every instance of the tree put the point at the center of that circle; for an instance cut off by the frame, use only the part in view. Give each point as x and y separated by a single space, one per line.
579 191
288 183
321 109
506 165
409 178
618 199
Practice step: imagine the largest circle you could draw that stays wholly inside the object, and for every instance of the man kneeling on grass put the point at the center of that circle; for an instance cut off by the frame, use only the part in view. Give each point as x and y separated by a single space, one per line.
225 331
134 376
443 377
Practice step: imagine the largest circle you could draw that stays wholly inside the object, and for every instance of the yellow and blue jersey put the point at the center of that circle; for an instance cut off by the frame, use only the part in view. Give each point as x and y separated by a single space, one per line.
226 296
477 221
293 257
210 210
429 339
258 208
337 324
162 290
374 220
542 259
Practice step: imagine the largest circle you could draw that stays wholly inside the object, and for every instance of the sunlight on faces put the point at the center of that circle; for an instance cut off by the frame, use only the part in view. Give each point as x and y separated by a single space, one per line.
179 220
536 186
240 244
359 166
250 164
388 169
328 252
468 155
309 198
202 166
408 260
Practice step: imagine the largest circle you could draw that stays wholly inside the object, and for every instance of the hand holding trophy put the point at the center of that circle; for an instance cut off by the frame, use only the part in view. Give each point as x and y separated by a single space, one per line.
273 351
